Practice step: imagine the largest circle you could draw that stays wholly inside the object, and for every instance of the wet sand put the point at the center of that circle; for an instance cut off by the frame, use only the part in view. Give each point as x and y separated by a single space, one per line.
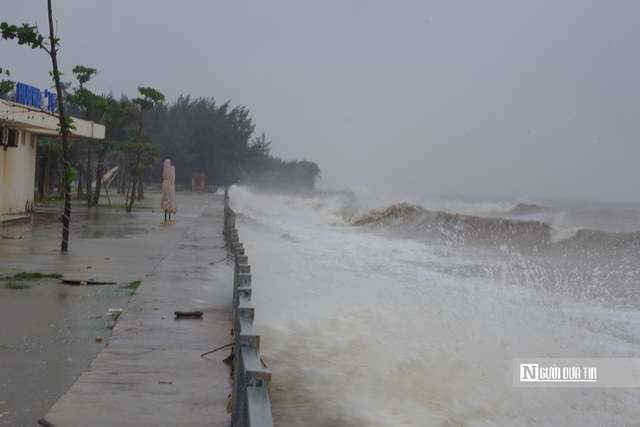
51 331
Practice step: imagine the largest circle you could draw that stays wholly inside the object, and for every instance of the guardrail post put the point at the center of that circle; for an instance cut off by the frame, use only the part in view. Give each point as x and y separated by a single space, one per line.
251 382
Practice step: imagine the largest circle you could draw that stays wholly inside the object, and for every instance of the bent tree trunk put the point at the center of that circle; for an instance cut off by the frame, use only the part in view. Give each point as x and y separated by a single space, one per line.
134 183
41 177
89 144
99 175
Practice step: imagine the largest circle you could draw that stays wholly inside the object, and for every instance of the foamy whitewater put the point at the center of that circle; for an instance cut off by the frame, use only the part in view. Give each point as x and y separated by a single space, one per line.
409 312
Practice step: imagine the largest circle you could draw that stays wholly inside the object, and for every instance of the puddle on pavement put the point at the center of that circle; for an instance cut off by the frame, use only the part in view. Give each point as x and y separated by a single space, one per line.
111 232
47 340
97 224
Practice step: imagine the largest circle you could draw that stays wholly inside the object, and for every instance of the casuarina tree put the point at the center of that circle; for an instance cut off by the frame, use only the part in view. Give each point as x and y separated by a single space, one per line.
140 147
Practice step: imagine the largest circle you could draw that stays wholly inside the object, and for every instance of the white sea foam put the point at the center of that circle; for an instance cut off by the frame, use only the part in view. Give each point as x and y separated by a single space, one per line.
362 330
560 234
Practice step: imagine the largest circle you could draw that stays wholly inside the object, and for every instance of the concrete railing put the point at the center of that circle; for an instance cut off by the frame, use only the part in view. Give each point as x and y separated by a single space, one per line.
251 380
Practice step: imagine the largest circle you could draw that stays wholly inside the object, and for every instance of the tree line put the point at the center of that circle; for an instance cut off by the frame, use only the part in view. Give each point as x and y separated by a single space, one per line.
198 135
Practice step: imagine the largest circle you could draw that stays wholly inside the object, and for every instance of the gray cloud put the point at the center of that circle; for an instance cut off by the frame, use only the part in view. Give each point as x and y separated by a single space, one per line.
507 99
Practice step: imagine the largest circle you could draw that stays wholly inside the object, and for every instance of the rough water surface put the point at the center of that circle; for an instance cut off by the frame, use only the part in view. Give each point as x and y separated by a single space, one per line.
409 313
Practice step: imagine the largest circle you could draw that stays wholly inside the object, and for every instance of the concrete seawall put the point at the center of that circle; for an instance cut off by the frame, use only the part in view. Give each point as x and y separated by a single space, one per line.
151 372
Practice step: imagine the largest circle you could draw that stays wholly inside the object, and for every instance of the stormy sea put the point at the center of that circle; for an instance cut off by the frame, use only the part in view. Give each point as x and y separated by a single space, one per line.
409 312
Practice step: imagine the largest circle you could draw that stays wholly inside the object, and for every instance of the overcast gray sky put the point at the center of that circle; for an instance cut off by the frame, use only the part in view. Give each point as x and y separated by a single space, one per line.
515 99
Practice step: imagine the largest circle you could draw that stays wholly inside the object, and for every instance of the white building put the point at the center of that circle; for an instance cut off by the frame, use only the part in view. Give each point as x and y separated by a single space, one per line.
20 125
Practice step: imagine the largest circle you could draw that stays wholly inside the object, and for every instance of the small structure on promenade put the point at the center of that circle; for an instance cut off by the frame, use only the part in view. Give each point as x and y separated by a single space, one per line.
197 182
21 122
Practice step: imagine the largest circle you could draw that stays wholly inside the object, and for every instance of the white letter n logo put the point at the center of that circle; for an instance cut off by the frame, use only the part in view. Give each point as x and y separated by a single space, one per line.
528 372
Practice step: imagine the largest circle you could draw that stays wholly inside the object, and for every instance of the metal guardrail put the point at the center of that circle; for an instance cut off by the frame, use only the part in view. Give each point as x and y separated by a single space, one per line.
251 406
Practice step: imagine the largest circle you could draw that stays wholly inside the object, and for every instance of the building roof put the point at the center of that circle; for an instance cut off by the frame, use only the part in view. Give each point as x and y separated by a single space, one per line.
40 122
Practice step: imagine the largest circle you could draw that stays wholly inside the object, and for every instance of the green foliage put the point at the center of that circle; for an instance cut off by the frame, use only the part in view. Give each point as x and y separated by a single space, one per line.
20 279
135 149
6 85
119 117
26 34
278 175
132 285
92 106
56 76
16 285
35 275
56 200
201 136
69 175
66 124
131 149
84 74
150 97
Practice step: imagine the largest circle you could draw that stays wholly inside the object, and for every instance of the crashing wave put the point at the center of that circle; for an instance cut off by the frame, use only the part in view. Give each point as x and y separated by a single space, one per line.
415 222
529 209
398 210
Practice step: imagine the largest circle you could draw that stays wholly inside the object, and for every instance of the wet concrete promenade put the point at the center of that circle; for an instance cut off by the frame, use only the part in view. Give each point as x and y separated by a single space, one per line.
151 372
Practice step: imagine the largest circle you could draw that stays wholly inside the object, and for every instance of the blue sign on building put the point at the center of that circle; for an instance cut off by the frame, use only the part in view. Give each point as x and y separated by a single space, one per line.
34 97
